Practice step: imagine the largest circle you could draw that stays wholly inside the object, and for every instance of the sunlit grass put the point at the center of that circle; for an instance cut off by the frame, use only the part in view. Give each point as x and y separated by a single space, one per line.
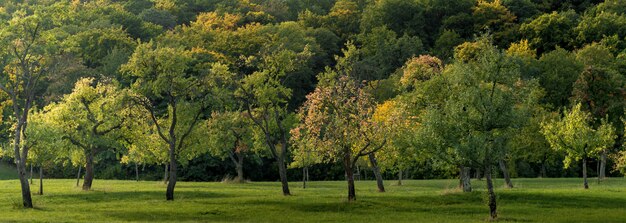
533 200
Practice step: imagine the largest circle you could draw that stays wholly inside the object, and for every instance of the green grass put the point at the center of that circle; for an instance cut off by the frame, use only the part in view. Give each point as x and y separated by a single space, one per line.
533 200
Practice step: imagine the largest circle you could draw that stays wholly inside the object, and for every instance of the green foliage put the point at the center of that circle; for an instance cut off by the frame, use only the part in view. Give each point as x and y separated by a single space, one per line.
574 135
86 121
559 70
480 106
382 51
550 31
229 133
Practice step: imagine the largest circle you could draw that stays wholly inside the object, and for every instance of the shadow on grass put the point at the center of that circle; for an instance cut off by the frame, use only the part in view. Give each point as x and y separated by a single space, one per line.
576 200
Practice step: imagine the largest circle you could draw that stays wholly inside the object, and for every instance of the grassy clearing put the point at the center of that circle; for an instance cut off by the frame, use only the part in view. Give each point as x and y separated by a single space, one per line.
534 200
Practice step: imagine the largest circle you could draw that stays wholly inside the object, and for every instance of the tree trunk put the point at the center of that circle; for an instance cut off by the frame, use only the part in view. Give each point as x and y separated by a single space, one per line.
31 174
136 172
88 171
282 171
542 174
376 170
40 180
239 166
165 175
169 194
505 174
304 169
400 177
307 175
492 195
585 173
465 179
478 174
349 177
602 168
78 175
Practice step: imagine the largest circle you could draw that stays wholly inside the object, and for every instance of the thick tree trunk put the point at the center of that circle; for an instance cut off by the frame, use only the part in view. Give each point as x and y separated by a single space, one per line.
169 194
400 177
238 163
478 175
282 172
40 180
239 166
492 195
165 175
505 174
31 174
136 172
349 177
465 179
88 171
376 170
78 175
585 173
26 196
602 168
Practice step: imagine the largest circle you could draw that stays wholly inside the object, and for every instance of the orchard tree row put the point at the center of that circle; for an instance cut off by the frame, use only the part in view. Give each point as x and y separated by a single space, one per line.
461 86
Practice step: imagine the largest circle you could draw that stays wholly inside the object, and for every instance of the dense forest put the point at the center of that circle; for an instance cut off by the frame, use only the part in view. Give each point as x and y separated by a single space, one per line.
286 90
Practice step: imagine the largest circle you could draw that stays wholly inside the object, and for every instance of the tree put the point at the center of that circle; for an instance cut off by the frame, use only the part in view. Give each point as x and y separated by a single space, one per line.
382 52
495 18
479 106
90 119
599 89
559 70
551 31
45 143
27 60
265 99
230 136
176 90
336 120
574 135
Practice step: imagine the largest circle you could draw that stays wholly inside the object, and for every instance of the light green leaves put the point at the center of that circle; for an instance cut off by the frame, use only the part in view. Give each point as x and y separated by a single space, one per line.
574 135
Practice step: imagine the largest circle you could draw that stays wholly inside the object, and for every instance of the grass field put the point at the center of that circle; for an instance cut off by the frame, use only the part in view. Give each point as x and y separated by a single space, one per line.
533 200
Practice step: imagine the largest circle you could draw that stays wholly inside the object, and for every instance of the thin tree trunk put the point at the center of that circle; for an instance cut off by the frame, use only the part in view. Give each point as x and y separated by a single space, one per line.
88 171
542 174
478 174
136 172
400 177
492 195
376 170
585 173
169 194
78 175
40 180
505 174
31 174
602 168
307 175
304 177
465 179
165 175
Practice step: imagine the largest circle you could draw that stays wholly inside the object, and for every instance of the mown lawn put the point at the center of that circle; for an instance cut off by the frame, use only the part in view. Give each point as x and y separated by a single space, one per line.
533 200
